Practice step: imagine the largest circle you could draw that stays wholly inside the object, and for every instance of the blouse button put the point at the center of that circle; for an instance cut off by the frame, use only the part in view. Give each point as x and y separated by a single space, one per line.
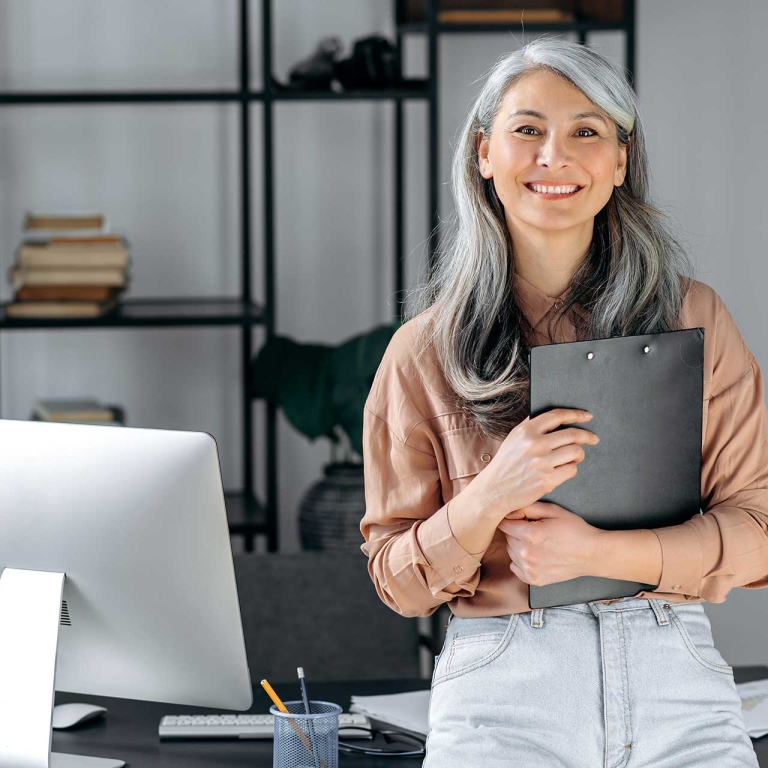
486 457
676 586
458 568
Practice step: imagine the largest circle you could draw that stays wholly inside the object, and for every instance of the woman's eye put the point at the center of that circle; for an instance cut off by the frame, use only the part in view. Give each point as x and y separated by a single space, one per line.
592 131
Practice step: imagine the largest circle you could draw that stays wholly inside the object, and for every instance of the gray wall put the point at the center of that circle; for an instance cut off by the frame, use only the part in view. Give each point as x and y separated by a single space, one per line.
701 76
167 176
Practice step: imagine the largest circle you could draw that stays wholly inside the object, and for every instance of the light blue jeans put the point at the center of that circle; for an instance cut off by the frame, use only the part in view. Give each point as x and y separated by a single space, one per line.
635 683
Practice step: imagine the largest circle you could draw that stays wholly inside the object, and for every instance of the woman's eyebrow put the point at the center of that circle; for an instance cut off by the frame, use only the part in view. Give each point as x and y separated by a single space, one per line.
578 116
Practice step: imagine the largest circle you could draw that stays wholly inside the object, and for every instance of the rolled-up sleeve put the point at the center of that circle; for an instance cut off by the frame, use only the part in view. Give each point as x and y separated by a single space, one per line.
414 560
727 545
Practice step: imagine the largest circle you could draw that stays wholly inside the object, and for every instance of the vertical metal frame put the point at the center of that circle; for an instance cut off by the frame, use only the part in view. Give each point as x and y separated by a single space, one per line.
270 293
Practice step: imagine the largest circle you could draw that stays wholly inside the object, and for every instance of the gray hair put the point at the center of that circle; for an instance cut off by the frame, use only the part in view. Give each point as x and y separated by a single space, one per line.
633 280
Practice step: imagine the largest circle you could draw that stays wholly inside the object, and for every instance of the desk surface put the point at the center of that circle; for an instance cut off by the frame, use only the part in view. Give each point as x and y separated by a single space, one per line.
130 731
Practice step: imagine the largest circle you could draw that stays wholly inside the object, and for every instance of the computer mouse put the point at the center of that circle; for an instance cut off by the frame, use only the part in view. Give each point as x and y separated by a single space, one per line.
67 715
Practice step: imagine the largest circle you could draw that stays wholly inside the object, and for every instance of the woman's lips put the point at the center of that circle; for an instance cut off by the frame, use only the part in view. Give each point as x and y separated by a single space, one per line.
555 195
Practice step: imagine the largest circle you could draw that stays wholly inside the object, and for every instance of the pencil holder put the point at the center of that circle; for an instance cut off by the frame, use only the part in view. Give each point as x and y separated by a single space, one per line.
306 741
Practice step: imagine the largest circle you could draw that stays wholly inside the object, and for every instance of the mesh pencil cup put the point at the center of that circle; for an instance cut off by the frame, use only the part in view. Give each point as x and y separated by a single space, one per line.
306 741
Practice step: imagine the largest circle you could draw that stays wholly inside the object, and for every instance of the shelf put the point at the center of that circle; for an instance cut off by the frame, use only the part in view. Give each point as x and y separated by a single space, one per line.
245 515
419 90
566 26
152 312
414 89
122 97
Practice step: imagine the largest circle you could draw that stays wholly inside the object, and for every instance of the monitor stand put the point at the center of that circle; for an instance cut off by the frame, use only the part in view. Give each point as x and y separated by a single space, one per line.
30 607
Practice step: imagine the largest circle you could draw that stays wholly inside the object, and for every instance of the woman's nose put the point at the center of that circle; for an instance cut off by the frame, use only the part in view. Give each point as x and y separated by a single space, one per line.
553 151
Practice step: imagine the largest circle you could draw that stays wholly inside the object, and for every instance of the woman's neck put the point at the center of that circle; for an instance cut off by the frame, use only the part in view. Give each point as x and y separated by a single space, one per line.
549 259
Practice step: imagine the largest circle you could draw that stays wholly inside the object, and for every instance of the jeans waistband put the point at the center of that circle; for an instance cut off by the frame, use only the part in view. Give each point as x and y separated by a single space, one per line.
596 607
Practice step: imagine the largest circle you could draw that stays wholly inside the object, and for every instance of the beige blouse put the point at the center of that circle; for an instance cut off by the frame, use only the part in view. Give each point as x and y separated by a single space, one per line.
419 452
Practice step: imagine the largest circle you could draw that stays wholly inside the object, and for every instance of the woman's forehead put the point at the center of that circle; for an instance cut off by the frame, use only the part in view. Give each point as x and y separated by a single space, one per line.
542 88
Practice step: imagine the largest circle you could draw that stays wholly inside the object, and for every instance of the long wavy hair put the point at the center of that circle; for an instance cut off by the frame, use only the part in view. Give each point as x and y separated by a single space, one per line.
632 281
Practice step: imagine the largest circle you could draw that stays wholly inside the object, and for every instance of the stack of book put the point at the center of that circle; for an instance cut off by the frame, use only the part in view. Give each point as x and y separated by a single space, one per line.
513 11
74 411
68 266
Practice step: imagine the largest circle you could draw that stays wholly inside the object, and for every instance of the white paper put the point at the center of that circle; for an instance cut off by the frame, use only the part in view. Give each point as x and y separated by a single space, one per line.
754 706
409 711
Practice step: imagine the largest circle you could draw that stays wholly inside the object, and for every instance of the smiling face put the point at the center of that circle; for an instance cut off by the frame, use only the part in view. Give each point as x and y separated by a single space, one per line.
567 145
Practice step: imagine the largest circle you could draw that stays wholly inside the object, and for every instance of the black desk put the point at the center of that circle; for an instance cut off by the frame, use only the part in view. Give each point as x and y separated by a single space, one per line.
130 731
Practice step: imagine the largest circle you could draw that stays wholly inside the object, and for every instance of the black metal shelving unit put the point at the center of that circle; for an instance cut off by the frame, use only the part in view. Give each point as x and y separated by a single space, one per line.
248 516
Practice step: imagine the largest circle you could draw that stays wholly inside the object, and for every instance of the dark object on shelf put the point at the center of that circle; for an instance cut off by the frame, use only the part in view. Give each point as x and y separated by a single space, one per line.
331 509
320 386
316 72
413 84
374 63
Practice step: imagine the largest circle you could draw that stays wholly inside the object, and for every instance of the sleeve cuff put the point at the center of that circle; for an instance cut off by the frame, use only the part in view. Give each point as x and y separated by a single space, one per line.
681 559
445 555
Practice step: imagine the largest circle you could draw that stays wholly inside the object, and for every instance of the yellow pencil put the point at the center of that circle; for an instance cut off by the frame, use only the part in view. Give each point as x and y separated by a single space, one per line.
279 704
275 698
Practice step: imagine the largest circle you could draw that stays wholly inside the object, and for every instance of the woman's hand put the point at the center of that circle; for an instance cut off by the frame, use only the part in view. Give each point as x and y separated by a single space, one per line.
533 460
547 543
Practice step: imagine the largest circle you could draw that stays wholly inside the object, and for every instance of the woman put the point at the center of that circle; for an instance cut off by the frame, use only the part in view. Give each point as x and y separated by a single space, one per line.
555 240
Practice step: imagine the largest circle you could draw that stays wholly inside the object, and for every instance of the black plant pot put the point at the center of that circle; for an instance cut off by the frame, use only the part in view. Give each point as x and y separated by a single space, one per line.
331 509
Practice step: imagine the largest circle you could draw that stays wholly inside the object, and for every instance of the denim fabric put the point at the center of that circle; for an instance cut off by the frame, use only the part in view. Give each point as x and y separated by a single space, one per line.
634 683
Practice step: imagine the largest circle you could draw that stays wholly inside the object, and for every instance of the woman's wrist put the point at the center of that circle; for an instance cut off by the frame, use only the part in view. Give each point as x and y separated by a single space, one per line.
631 555
472 517
493 506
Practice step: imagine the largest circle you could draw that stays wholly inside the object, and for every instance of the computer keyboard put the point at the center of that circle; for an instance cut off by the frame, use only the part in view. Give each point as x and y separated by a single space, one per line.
244 726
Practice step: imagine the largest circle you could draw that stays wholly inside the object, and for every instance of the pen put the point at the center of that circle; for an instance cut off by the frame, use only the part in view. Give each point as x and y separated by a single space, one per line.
300 671
307 709
279 704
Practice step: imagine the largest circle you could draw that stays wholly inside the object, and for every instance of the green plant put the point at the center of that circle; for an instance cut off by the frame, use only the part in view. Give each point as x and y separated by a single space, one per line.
320 386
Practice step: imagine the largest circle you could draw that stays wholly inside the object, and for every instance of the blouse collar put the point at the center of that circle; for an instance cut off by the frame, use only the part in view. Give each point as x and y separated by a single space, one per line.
536 304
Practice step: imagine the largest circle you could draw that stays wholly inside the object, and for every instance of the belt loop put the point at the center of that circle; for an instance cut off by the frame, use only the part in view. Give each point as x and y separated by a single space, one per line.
537 617
661 617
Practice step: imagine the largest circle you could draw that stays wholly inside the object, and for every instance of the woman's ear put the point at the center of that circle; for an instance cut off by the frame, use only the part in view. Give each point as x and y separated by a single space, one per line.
483 160
621 166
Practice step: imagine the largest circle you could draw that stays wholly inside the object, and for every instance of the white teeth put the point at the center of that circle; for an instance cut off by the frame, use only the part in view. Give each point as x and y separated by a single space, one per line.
552 190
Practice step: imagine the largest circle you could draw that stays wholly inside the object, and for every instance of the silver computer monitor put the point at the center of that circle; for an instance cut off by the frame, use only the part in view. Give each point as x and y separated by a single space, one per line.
147 606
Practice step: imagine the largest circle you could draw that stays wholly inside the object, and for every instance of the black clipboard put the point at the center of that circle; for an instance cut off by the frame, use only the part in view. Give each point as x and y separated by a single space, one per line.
645 393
